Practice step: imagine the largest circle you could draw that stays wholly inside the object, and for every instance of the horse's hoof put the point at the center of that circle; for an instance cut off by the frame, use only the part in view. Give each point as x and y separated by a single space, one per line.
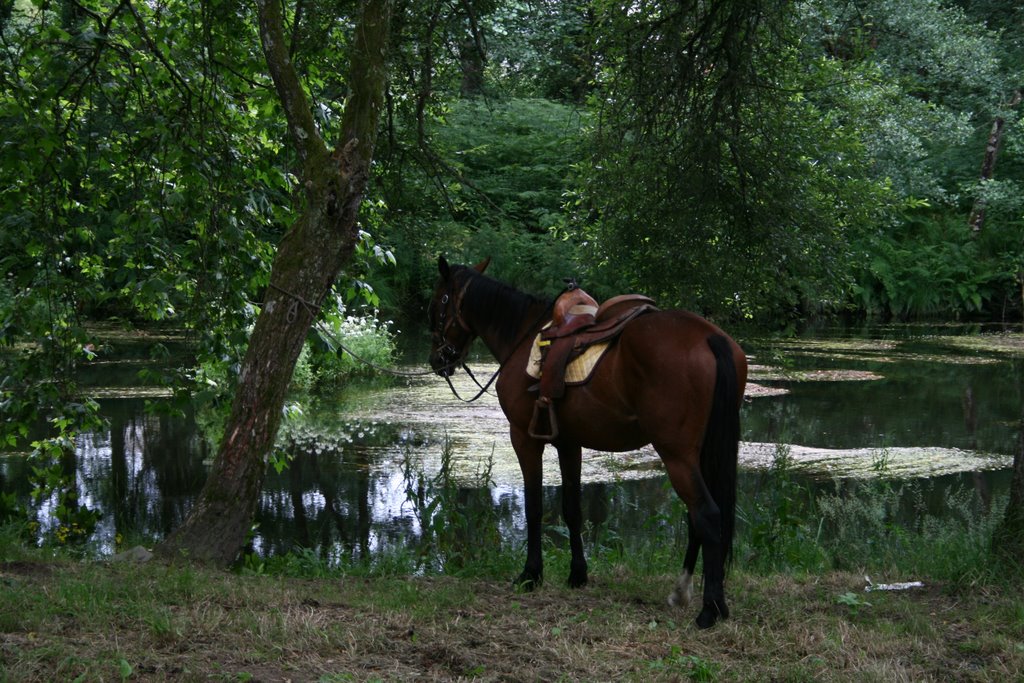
577 573
526 582
711 613
682 594
577 580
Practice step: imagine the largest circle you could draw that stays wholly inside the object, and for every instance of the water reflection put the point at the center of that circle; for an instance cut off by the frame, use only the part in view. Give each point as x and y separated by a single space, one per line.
360 463
917 403
144 473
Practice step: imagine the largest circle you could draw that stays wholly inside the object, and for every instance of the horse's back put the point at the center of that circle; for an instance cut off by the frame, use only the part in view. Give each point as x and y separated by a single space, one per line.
674 344
661 369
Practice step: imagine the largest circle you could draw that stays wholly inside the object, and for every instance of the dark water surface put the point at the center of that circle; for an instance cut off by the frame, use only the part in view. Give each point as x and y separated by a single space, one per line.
941 404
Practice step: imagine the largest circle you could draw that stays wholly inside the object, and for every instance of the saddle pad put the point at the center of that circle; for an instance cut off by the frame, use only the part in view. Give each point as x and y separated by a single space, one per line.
578 371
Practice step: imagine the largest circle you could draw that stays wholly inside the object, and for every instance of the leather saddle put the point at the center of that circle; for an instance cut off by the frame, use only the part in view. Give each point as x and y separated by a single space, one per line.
577 323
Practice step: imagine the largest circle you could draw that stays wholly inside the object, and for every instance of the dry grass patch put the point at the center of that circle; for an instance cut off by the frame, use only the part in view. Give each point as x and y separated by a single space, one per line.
187 624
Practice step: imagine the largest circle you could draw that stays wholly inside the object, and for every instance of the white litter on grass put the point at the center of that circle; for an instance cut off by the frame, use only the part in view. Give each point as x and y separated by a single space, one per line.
907 585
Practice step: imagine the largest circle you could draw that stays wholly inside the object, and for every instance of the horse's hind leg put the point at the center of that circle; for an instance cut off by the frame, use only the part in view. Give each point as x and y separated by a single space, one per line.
705 535
709 528
570 461
682 594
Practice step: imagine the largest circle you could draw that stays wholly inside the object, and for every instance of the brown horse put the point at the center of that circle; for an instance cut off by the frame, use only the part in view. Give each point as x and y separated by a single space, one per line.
672 379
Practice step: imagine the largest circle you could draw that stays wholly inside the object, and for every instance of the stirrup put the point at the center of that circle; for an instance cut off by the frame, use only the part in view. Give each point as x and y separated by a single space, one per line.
543 408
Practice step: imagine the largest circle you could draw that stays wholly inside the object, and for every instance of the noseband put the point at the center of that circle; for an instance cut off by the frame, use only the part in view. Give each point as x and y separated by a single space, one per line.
446 350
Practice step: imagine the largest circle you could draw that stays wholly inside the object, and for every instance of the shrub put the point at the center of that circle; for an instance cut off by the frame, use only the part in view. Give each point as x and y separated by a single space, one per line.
344 347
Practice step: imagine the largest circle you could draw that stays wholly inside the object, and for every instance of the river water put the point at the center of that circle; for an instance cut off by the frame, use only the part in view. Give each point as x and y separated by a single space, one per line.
936 403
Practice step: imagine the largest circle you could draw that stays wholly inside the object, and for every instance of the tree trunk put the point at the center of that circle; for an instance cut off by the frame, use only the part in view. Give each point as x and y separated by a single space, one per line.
472 63
988 167
1009 537
308 260
472 54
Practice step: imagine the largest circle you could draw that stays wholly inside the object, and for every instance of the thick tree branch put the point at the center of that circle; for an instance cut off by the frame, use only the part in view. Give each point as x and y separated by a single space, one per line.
362 110
988 167
293 97
296 24
475 30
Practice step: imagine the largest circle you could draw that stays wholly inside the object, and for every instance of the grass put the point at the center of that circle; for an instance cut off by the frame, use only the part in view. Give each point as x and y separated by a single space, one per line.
92 621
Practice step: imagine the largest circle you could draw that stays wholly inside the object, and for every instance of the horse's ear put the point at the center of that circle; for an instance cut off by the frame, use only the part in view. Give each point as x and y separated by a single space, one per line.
443 268
482 266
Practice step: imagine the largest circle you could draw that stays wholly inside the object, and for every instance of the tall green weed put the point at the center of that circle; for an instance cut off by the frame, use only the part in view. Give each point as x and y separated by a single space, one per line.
777 525
459 526
886 526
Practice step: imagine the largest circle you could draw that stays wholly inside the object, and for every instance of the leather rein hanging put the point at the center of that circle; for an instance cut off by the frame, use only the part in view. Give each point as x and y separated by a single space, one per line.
448 348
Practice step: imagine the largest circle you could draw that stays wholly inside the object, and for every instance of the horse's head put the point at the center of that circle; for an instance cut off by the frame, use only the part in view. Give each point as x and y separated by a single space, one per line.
450 336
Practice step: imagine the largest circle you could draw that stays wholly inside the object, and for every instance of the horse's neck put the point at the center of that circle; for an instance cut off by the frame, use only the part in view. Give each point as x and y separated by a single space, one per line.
503 346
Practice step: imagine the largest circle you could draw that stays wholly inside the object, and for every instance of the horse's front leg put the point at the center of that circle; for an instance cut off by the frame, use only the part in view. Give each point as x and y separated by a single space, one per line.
529 452
570 462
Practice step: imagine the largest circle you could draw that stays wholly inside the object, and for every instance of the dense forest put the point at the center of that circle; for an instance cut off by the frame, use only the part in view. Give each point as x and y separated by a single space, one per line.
769 160
757 161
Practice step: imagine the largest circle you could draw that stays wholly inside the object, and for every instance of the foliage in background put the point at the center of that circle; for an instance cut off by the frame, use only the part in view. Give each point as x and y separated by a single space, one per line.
929 264
121 186
937 80
541 49
717 179
941 76
760 160
494 186
141 178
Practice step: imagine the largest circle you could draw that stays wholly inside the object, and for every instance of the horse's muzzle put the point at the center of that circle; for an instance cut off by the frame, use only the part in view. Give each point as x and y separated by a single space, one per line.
444 361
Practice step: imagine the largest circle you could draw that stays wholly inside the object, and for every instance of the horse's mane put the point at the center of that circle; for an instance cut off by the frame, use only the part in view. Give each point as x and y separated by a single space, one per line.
492 304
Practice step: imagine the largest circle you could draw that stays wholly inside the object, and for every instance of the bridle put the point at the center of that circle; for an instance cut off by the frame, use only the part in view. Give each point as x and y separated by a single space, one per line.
449 355
452 357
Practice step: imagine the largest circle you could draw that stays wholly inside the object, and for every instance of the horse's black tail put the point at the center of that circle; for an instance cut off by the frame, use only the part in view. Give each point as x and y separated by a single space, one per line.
720 450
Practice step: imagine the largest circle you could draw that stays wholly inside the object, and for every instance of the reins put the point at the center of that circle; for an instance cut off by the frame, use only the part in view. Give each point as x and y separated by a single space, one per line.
523 337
